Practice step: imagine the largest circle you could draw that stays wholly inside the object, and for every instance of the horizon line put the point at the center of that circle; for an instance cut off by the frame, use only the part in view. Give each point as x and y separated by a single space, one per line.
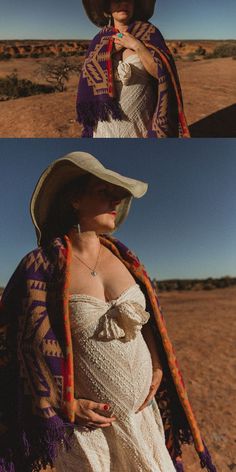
177 279
89 39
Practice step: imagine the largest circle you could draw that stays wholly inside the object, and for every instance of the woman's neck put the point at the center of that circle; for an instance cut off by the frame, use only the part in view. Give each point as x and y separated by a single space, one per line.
84 241
121 26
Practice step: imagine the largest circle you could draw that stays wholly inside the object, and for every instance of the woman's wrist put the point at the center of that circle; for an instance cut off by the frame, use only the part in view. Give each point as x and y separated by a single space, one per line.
156 367
139 46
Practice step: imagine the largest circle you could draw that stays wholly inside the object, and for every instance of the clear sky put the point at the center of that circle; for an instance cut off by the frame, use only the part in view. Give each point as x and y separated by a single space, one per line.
185 226
53 19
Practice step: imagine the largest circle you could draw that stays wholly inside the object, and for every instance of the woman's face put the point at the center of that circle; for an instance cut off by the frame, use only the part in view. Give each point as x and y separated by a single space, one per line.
122 11
97 207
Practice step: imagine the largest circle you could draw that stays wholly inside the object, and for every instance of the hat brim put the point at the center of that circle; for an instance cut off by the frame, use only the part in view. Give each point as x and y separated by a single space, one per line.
68 168
95 11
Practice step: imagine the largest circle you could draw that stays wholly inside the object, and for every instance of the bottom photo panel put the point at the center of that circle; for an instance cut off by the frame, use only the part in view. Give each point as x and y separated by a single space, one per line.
117 311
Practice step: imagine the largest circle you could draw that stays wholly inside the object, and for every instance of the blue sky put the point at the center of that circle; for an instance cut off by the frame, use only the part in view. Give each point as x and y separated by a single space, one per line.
185 226
182 19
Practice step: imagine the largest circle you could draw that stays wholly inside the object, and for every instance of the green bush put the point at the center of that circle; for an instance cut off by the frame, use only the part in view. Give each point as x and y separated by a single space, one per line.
13 87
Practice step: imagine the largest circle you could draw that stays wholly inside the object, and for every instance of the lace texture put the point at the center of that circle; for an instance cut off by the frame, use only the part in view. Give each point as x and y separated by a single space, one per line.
113 364
134 91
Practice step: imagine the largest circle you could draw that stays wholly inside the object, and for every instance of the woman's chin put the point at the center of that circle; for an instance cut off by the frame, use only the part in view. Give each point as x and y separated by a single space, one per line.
106 229
124 18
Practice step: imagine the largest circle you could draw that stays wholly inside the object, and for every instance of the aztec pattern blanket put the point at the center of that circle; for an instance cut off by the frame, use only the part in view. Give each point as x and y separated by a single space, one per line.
36 363
96 99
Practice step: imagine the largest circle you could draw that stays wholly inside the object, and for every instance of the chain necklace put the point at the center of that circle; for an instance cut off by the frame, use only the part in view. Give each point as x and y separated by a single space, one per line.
92 269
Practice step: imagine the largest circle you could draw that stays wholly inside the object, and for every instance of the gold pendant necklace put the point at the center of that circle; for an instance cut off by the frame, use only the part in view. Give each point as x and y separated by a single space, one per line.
92 269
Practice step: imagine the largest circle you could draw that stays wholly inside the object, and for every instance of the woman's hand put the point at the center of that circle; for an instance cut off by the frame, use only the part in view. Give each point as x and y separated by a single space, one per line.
156 380
86 414
127 41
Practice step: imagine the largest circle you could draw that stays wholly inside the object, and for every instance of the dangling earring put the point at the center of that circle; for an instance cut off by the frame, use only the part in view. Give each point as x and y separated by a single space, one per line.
76 224
77 228
109 21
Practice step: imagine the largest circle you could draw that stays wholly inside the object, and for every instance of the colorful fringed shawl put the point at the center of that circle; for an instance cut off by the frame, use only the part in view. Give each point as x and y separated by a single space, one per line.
36 363
96 99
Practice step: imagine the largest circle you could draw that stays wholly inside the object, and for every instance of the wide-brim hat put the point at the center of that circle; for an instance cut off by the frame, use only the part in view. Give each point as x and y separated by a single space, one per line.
144 10
67 169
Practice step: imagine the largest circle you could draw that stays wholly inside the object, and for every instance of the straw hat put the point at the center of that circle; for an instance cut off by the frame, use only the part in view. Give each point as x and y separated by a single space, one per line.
95 10
67 169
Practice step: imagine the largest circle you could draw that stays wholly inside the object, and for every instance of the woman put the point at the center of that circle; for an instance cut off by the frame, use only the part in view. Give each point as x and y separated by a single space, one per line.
87 367
129 85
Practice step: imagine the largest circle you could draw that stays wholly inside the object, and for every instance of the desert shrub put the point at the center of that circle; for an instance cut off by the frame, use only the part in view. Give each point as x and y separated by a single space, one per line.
223 50
20 56
47 54
191 56
57 72
4 56
80 53
200 51
13 87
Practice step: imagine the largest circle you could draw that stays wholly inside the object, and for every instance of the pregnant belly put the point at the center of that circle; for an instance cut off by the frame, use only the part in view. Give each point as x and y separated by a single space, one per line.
115 372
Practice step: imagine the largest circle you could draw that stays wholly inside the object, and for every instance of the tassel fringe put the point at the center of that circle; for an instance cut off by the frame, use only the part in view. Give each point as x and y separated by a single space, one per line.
178 466
206 461
6 466
89 113
39 448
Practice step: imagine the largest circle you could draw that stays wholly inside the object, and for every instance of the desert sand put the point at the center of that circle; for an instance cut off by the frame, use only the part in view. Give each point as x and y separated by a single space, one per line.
208 90
202 327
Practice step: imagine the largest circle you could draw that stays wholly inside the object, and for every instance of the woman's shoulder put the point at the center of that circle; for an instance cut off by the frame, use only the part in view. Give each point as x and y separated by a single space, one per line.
37 265
106 30
36 257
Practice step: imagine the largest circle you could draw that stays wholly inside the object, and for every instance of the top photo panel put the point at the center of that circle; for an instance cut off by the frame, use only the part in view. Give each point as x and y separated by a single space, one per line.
117 69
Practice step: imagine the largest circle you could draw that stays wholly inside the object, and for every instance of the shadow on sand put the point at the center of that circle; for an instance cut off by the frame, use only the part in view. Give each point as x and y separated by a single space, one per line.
221 124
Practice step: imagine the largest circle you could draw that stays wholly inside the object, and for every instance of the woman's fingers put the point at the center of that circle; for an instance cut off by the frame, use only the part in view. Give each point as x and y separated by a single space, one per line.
126 40
150 397
96 418
93 415
145 403
101 406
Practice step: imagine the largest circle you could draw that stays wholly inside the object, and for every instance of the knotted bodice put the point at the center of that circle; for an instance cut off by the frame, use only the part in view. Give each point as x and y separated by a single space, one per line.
111 359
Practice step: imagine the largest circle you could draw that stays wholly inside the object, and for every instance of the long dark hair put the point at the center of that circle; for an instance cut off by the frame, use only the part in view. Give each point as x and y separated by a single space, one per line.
62 216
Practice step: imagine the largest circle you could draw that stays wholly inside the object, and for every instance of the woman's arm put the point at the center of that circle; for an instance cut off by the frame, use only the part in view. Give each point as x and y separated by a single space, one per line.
128 41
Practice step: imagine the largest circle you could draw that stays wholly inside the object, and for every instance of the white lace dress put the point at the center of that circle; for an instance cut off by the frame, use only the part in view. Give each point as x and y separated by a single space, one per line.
135 93
113 364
